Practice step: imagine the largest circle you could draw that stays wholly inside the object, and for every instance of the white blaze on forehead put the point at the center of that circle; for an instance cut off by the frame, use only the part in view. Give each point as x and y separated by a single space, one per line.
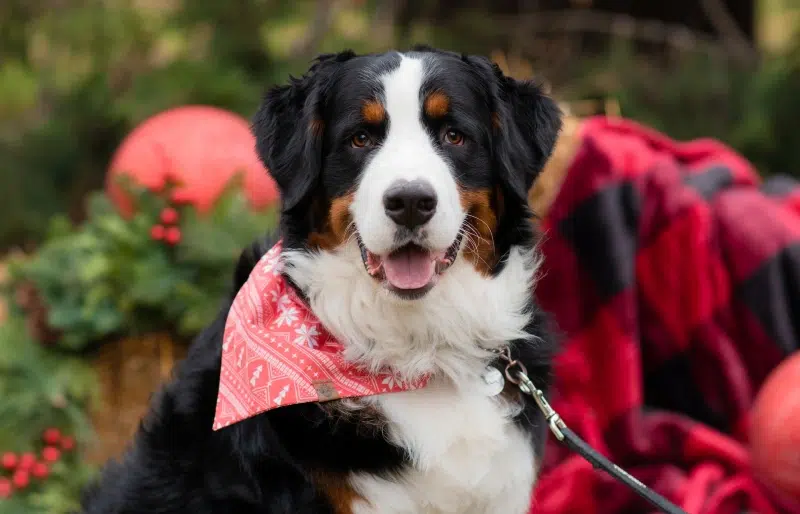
403 98
407 153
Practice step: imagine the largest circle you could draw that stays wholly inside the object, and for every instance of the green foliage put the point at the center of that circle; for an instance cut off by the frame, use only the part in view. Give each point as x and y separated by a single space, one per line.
109 276
42 389
76 77
698 95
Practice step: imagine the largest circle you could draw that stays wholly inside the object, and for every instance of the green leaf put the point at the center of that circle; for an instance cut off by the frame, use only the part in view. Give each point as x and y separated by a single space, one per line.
95 268
117 229
99 205
108 320
64 316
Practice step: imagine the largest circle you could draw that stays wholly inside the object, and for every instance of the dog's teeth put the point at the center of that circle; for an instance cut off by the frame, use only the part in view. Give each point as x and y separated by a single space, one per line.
441 266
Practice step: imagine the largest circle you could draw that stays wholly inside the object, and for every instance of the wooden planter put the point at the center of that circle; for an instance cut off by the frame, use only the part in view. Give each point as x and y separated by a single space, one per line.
129 371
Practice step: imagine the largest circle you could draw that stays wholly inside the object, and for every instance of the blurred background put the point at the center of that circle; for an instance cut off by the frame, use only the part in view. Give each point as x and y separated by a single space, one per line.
106 282
76 77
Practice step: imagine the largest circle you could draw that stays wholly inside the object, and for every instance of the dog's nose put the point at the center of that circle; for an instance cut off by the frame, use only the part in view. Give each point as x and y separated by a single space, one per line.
410 204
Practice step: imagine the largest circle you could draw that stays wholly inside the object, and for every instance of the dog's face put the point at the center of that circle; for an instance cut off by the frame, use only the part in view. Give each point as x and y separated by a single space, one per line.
417 158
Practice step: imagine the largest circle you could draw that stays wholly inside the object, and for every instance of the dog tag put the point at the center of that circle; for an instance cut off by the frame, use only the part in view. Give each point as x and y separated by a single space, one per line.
493 381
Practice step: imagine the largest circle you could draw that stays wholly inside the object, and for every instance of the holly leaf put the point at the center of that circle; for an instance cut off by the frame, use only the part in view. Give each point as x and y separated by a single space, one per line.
108 320
99 205
154 279
64 316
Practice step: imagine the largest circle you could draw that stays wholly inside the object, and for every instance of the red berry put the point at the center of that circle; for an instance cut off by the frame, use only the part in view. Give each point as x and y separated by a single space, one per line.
9 460
5 488
169 216
21 479
173 235
51 454
51 436
157 232
40 470
67 443
26 461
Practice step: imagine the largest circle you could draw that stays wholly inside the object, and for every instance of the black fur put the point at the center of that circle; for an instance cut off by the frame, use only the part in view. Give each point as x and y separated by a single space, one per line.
311 168
176 463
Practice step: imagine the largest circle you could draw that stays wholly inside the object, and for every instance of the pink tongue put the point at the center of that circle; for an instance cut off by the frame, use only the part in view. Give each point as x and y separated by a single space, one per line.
410 268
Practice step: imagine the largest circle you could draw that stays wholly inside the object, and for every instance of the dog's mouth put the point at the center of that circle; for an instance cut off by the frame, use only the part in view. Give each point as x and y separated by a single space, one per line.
409 270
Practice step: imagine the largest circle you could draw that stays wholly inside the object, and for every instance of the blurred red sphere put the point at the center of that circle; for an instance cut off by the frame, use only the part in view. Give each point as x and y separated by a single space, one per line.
201 148
40 470
172 235
775 428
67 443
51 436
169 216
5 488
20 479
26 460
51 454
9 460
157 232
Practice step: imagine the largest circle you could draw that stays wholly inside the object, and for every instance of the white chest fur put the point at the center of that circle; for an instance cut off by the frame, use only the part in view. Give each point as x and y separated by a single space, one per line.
467 456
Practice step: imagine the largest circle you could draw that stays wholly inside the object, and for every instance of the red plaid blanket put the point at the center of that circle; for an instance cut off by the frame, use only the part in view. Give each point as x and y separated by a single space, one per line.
675 276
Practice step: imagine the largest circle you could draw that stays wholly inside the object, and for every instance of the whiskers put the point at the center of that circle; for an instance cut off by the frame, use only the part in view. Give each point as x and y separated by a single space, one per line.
472 239
351 233
488 228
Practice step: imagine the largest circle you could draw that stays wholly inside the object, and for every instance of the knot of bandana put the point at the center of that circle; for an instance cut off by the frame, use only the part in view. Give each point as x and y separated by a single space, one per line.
276 353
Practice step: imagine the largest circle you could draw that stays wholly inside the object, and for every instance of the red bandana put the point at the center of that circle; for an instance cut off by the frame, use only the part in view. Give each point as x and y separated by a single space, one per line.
275 353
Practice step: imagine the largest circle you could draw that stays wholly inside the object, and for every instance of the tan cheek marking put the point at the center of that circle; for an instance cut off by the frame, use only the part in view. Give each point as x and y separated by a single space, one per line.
496 121
481 226
437 104
337 223
338 491
373 112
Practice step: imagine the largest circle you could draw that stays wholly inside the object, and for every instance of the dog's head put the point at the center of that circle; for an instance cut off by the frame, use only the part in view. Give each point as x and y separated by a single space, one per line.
418 158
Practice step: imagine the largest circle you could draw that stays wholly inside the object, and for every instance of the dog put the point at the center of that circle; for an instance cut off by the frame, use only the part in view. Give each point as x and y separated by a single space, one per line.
405 229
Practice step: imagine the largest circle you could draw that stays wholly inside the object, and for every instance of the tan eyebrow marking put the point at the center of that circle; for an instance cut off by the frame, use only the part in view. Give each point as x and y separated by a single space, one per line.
373 112
437 104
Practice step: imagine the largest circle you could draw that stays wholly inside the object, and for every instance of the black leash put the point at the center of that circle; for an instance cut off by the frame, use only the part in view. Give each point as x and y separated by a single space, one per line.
517 374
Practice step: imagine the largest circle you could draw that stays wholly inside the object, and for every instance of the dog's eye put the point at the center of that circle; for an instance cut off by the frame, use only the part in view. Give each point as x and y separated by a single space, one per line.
360 140
454 137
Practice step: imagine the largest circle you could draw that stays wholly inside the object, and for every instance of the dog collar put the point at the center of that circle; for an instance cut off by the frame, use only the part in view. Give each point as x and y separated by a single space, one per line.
276 353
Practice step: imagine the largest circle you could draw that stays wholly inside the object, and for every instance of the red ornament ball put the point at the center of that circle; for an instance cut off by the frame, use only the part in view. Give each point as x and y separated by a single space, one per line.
5 488
26 461
67 443
51 436
775 428
172 235
40 470
9 460
169 216
20 479
201 148
51 454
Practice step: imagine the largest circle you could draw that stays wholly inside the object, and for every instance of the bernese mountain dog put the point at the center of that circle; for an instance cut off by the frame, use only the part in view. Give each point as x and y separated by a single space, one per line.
405 229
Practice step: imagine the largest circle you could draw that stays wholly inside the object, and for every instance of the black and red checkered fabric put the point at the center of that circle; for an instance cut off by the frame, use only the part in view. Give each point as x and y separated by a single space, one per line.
674 274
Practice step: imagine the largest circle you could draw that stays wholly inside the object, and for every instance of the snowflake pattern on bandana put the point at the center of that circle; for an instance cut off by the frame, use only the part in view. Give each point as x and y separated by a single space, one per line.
276 353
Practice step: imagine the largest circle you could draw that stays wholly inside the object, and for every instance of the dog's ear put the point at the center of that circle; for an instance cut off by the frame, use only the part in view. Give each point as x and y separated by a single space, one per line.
289 131
526 124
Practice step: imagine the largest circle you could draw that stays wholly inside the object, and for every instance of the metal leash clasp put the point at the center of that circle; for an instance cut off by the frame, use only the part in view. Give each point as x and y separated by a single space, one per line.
517 374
